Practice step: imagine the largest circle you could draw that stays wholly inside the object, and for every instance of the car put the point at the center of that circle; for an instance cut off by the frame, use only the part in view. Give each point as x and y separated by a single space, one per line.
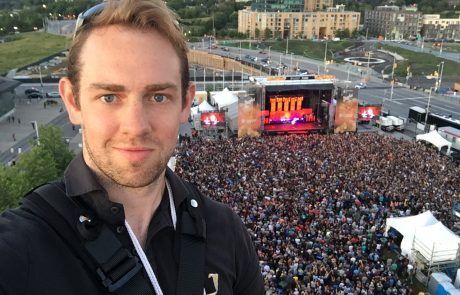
225 49
53 94
51 102
31 90
360 86
35 95
302 71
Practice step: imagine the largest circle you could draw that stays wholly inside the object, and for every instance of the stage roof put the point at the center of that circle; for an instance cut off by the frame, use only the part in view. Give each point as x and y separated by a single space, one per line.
294 83
299 87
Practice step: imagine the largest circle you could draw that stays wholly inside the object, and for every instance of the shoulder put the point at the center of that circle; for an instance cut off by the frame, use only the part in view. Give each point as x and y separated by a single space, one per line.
220 213
15 225
16 229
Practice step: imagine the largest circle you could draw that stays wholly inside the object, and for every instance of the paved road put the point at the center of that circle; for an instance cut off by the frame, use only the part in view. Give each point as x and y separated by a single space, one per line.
28 111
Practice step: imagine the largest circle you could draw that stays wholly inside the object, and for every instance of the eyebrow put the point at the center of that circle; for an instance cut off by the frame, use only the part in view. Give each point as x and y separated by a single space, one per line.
120 88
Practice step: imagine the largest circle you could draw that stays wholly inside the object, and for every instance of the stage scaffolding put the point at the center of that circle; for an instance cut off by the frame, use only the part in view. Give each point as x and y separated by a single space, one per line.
433 260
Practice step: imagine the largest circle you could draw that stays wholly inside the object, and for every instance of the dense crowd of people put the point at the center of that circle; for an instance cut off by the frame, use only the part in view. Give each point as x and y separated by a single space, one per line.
316 205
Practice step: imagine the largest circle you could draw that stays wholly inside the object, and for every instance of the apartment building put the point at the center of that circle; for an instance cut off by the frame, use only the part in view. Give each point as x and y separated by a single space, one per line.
290 5
436 28
277 5
318 5
304 25
391 22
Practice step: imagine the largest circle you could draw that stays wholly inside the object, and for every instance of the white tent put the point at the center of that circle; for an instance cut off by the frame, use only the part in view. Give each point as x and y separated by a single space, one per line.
435 139
407 226
202 107
436 242
205 107
224 98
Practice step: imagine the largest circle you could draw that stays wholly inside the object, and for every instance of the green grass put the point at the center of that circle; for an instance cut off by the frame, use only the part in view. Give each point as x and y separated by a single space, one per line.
423 64
446 47
28 48
307 48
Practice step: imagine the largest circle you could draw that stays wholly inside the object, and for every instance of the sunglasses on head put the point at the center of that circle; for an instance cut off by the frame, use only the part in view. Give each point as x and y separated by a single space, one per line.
84 17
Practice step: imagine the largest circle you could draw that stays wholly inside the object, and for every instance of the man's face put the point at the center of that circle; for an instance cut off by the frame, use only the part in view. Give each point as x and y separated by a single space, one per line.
130 104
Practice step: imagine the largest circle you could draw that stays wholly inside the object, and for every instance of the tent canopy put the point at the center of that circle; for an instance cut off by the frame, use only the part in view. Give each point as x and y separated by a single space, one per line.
202 107
224 98
407 226
435 139
436 242
425 234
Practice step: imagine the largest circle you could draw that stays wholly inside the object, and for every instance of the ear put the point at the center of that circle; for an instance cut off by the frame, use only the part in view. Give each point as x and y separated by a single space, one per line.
190 95
73 109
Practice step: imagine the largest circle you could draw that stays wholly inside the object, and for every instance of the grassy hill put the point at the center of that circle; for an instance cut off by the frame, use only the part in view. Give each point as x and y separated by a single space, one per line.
27 48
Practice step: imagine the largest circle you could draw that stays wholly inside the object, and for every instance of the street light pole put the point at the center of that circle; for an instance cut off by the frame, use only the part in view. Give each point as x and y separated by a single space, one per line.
240 51
392 77
35 125
223 79
369 62
291 62
392 87
269 52
325 59
428 106
279 68
41 80
287 45
204 78
440 75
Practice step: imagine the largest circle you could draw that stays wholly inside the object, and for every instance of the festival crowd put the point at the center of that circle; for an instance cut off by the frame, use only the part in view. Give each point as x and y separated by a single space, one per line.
316 205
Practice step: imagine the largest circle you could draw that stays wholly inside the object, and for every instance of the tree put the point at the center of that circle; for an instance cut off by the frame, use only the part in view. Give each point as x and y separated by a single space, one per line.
257 33
8 199
51 140
354 34
43 163
268 34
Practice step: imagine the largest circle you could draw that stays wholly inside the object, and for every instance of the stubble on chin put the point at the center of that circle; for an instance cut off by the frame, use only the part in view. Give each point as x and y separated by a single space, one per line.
133 176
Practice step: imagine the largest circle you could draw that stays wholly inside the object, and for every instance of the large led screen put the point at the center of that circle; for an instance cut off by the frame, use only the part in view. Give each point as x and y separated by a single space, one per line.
212 119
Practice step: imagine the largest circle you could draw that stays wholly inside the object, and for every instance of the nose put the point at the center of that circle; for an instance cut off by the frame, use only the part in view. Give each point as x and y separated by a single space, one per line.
135 118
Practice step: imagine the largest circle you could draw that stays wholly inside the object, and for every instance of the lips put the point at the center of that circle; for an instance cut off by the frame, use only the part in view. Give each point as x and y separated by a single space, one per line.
135 154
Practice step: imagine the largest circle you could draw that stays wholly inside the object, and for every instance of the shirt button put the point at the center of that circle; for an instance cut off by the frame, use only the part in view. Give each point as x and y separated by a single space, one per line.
114 210
120 229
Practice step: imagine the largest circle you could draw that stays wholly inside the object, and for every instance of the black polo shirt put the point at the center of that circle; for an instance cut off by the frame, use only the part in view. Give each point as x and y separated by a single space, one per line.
35 259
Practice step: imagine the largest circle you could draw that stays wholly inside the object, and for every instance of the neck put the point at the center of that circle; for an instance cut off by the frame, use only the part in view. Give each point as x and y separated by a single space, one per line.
139 204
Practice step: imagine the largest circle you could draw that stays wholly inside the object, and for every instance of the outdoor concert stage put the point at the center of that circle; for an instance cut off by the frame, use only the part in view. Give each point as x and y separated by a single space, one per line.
295 104
293 128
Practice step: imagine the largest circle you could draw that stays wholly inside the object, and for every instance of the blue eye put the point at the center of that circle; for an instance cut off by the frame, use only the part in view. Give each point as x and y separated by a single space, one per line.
108 98
159 97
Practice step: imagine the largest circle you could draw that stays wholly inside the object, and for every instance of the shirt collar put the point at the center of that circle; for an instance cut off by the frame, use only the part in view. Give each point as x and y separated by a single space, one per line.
80 180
